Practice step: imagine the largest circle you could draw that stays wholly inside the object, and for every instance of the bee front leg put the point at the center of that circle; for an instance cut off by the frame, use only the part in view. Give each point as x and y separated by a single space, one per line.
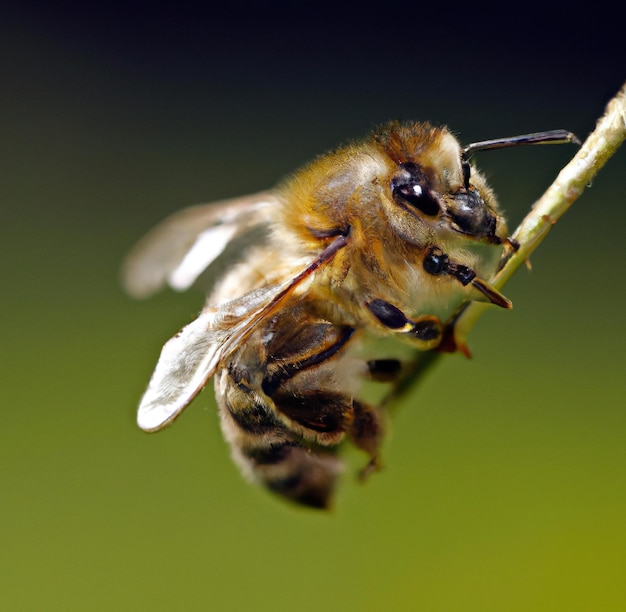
426 331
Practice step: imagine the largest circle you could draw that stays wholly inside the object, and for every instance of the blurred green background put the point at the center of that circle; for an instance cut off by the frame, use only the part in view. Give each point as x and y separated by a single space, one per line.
504 486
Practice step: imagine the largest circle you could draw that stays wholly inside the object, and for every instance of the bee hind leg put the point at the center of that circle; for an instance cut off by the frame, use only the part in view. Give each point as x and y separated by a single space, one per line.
366 432
329 416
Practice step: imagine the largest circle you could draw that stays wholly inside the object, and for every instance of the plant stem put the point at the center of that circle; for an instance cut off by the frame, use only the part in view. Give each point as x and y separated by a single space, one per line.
601 144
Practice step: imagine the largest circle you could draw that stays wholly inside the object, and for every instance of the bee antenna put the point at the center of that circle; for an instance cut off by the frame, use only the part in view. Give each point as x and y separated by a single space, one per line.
548 137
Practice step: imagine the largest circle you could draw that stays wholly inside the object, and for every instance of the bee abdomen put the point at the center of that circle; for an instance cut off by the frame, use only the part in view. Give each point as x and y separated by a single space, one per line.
284 415
269 453
295 471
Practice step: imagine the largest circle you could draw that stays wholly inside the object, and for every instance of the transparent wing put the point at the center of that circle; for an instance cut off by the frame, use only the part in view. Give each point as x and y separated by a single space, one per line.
192 356
181 248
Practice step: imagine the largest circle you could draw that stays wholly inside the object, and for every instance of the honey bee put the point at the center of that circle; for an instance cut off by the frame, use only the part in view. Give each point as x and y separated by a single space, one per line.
382 239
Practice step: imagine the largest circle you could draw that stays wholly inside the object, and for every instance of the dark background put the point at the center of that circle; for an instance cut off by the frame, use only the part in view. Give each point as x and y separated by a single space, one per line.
504 485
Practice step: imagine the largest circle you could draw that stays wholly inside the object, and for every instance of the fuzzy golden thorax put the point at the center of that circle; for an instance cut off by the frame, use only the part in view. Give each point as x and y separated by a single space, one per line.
397 194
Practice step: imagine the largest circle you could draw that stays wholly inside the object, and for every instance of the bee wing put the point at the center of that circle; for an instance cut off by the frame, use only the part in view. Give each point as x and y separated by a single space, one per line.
186 363
192 356
180 248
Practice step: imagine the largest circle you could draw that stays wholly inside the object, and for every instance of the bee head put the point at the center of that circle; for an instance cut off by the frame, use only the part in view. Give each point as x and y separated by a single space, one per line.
408 182
432 181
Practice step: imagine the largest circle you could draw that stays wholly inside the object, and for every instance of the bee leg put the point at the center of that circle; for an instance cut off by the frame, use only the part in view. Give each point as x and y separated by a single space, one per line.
384 370
426 330
331 415
511 246
366 432
438 263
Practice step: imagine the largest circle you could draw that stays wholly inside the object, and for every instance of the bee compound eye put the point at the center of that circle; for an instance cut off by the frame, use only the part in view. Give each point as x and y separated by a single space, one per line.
436 262
410 190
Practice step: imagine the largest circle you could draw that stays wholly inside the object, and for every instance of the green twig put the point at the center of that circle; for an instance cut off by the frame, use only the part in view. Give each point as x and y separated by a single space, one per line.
601 144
